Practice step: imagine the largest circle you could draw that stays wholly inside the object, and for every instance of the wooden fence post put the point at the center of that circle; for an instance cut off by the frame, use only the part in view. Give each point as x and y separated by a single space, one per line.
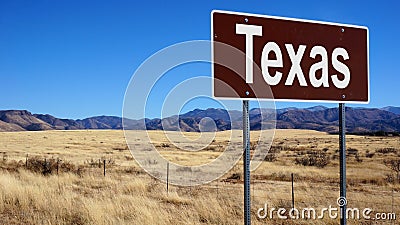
44 167
104 167
167 176
292 193
57 165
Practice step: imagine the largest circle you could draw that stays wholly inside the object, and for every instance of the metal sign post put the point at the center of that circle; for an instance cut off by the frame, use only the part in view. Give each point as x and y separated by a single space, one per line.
342 156
246 162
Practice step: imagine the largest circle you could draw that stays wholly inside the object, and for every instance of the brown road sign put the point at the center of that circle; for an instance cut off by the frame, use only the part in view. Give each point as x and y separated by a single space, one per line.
298 60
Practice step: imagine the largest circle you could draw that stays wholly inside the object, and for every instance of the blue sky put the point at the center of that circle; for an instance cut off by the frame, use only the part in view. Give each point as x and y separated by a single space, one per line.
74 59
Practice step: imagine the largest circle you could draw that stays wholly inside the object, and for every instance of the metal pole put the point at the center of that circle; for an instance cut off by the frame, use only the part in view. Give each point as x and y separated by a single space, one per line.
342 156
246 162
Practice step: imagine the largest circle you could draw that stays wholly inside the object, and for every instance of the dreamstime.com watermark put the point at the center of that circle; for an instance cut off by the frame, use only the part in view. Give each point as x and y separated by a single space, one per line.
332 212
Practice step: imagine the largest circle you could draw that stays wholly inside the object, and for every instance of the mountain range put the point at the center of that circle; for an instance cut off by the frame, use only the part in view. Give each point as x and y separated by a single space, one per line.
358 120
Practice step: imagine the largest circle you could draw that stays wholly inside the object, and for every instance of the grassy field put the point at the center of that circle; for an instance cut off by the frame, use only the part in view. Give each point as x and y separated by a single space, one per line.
80 194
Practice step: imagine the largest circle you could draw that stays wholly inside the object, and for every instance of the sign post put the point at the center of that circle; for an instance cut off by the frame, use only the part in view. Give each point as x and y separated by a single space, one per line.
246 162
342 156
297 60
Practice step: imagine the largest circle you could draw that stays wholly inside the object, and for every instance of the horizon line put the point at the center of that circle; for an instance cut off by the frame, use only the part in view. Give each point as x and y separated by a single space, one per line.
201 108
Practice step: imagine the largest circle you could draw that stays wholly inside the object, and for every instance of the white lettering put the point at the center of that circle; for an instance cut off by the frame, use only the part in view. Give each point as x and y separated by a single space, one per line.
266 62
281 213
341 68
265 210
296 68
366 213
322 65
249 31
296 71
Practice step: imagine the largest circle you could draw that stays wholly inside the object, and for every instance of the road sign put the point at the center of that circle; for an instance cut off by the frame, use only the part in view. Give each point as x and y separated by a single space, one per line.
298 60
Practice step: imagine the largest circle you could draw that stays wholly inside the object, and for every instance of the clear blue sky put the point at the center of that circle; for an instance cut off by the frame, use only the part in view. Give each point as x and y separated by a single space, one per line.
74 59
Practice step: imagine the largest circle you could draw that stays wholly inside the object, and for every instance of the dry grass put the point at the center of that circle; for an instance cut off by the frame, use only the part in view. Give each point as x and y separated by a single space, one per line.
69 199
128 196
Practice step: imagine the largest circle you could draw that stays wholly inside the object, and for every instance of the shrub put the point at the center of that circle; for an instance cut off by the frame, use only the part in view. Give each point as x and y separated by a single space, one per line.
313 158
271 157
129 158
394 165
358 158
165 145
389 178
275 149
387 150
210 148
48 166
352 151
285 204
121 148
235 176
94 162
370 155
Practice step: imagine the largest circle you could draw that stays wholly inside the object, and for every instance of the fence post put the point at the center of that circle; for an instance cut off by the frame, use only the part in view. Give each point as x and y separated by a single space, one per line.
45 166
104 167
252 181
217 189
292 193
167 176
57 165
392 201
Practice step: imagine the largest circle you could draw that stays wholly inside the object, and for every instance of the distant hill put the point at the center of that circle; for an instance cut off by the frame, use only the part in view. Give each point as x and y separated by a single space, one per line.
18 120
358 120
395 110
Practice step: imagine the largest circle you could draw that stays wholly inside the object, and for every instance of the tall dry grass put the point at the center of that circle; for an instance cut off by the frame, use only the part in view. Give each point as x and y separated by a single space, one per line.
128 196
30 198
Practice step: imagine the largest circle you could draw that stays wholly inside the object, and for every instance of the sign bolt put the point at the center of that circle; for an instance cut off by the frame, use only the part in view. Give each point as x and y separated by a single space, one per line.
342 30
247 92
343 96
246 20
